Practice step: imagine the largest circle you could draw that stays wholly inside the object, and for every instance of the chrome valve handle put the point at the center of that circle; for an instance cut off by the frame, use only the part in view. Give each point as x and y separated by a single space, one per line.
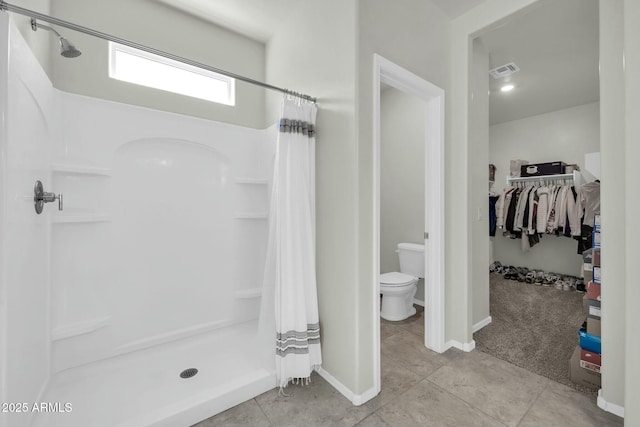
40 197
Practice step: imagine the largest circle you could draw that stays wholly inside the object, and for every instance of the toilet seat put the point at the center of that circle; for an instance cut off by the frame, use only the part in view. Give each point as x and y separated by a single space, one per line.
397 279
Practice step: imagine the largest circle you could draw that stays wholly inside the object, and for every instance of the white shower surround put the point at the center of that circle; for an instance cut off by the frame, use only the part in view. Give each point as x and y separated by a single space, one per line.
154 265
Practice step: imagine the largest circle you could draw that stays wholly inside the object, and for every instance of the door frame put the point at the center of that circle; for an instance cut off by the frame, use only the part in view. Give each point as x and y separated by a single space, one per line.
385 71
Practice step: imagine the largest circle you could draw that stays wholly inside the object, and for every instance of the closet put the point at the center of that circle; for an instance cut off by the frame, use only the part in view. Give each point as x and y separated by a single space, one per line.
540 225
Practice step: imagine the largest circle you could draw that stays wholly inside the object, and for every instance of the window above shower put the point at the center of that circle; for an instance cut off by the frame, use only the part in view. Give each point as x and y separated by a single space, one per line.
146 69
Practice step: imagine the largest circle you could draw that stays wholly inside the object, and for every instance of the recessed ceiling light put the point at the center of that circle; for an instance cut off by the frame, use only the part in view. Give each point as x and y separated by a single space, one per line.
507 88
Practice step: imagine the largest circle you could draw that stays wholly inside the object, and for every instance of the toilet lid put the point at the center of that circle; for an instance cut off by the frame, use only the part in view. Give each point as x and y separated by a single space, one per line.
396 279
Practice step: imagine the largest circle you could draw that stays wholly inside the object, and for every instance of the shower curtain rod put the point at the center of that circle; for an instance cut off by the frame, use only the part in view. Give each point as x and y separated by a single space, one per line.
55 21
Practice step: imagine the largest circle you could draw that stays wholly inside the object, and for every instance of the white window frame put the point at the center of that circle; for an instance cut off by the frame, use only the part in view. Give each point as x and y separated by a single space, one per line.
226 97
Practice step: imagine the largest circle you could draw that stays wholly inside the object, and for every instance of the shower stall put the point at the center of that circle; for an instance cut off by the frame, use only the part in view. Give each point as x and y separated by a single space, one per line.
136 301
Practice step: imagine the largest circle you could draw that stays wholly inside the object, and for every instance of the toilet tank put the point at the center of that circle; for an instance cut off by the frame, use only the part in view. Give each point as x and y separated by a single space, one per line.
411 259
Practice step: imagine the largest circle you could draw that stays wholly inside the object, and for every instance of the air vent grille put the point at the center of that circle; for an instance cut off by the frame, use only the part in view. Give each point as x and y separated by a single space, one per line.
504 70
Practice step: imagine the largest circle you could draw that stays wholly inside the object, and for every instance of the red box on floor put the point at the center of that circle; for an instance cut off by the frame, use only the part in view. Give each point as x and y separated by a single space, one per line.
590 366
590 357
593 291
581 375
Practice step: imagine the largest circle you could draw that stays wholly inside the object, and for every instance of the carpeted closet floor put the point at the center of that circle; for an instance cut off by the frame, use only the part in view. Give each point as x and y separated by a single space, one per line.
534 327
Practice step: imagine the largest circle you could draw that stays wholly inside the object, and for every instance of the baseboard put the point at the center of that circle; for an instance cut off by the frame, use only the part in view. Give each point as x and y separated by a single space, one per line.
481 324
419 302
467 347
356 399
609 407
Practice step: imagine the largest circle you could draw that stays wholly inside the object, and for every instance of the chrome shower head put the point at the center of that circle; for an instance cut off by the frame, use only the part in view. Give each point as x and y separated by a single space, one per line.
67 49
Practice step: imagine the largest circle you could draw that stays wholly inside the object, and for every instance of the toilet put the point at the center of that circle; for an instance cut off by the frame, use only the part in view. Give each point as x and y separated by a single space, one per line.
399 288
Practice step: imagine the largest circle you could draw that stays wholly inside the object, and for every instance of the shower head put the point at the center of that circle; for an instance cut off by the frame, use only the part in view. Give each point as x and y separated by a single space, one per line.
67 49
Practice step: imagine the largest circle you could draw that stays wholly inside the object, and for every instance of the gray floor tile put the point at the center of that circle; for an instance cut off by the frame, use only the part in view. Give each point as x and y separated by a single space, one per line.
567 407
428 405
396 380
354 416
502 390
408 350
373 420
414 324
316 404
245 414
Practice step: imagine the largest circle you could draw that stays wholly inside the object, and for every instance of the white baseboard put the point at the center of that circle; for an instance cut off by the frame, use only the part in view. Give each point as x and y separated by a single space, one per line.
356 399
467 347
609 407
419 302
481 324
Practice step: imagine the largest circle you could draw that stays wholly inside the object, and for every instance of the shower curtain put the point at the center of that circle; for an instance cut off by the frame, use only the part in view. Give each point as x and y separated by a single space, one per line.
289 288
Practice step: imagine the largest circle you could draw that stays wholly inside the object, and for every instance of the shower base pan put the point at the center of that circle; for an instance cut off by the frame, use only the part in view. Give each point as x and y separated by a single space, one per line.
145 388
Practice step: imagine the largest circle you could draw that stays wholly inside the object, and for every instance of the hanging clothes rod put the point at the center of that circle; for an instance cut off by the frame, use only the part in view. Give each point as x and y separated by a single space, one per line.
575 176
55 21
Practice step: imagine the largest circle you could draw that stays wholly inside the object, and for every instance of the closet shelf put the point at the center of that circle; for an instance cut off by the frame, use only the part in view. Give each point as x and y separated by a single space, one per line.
80 169
79 328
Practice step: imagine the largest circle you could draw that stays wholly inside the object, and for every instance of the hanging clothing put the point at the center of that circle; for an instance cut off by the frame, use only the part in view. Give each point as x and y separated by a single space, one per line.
528 212
588 202
493 217
290 293
543 209
502 205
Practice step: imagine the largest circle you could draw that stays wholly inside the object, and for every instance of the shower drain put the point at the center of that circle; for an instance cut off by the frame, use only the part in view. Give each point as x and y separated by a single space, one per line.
188 373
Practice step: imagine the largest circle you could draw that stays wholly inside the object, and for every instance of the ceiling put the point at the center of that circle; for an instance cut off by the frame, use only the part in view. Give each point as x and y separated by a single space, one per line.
455 8
556 47
256 19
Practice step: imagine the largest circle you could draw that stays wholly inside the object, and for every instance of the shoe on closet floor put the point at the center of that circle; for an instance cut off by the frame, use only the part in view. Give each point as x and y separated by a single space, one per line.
522 274
507 272
539 278
530 278
495 267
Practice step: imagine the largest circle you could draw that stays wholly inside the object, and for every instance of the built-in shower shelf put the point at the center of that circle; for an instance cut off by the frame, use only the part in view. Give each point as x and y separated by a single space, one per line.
251 215
80 169
249 293
79 328
251 181
80 218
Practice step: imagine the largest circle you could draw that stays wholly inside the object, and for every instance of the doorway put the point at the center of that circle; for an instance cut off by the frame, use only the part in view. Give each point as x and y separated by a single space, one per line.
394 76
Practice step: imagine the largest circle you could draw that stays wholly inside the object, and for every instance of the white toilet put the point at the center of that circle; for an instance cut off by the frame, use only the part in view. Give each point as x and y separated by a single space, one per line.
398 289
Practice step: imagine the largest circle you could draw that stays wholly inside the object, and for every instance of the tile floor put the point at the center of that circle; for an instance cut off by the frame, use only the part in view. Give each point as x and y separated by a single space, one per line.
423 388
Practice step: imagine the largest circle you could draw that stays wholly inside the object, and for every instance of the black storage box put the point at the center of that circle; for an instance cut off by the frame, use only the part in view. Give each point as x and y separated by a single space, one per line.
539 169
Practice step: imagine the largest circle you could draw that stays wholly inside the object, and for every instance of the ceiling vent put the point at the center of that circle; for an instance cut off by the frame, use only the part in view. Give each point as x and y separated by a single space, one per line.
504 70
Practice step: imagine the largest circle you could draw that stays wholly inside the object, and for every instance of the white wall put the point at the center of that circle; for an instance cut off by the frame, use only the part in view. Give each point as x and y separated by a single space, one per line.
167 212
40 43
402 139
478 173
565 135
304 55
632 136
159 26
614 190
26 131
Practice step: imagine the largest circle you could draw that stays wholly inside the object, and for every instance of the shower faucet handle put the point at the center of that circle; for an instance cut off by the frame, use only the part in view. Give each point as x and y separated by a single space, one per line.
40 197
